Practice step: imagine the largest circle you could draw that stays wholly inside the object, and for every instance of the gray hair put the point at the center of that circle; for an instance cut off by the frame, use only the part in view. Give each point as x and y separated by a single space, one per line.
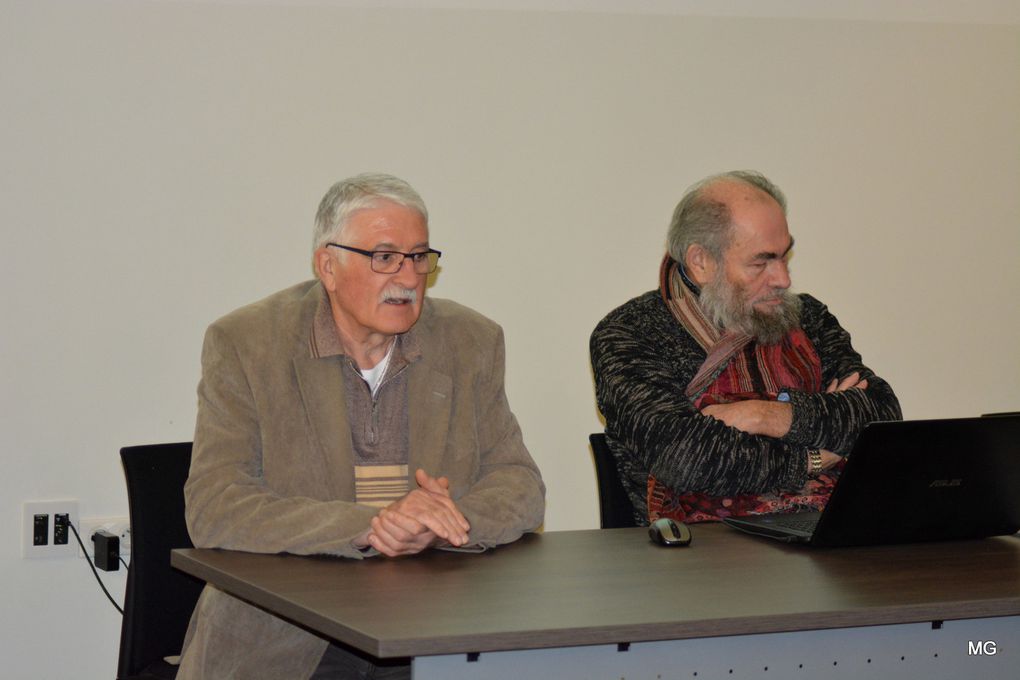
706 221
348 196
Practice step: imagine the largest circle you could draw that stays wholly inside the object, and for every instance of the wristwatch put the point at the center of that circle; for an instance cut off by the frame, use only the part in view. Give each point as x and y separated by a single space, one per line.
814 461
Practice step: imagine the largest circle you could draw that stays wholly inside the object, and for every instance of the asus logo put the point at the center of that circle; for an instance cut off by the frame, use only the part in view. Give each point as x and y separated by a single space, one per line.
942 483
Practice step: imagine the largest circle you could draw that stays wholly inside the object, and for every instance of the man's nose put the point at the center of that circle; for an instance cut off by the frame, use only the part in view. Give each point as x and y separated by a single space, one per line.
780 275
406 275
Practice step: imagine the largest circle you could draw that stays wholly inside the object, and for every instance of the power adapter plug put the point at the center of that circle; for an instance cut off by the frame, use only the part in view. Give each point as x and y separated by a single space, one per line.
106 550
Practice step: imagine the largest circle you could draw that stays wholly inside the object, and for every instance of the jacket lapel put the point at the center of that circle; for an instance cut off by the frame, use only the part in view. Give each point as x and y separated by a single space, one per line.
429 393
429 397
322 392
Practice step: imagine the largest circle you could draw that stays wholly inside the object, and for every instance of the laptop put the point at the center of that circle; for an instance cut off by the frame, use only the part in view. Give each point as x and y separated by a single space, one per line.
912 481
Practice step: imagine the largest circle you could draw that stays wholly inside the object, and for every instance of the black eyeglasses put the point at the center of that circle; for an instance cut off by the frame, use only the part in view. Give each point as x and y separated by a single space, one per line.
390 261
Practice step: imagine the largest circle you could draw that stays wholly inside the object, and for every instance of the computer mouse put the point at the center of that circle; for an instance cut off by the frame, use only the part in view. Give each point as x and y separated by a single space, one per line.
669 532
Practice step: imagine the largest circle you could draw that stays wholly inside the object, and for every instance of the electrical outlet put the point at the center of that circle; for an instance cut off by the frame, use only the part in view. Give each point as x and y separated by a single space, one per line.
61 530
118 526
43 515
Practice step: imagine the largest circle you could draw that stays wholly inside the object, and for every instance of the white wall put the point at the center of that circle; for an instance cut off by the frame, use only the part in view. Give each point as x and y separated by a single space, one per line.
162 162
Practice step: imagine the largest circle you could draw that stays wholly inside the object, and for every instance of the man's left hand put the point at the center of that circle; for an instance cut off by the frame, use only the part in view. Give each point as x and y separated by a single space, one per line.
423 518
754 416
395 534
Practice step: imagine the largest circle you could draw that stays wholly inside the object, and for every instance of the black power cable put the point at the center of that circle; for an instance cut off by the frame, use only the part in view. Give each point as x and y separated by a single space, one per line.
93 567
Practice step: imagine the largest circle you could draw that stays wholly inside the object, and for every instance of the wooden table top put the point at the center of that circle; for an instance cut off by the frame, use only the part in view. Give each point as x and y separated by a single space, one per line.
611 586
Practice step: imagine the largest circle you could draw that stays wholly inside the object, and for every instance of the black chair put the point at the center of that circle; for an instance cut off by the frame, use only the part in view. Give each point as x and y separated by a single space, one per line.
159 599
615 508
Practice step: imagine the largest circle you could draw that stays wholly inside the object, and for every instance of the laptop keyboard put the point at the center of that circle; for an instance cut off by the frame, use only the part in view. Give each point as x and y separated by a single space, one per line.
805 523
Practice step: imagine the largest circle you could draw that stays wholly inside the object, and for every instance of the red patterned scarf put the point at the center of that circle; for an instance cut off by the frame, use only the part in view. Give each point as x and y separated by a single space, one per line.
734 370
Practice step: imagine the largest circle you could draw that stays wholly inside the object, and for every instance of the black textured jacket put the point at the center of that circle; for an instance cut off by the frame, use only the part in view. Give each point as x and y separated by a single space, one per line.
643 360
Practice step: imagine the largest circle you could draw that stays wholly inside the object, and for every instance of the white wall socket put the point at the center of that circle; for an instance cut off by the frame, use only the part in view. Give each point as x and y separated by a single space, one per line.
118 526
29 509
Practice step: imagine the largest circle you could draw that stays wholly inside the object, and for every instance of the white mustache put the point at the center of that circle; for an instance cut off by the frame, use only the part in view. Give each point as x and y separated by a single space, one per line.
399 294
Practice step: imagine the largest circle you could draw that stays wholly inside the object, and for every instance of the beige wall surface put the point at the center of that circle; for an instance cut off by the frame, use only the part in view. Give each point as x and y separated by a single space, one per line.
163 161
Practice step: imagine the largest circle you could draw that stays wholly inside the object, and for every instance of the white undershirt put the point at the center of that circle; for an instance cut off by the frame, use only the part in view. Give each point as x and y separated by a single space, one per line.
373 376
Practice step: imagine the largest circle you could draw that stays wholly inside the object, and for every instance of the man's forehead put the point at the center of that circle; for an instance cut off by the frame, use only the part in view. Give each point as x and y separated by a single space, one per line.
759 234
388 225
760 231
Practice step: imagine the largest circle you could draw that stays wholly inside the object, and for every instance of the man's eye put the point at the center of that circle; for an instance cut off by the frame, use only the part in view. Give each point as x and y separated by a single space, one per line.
419 257
383 257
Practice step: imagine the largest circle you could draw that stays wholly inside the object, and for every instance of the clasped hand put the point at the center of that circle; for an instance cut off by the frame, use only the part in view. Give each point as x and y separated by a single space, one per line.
424 517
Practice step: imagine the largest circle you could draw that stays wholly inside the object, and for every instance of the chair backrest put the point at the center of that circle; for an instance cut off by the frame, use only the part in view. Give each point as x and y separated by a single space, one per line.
615 508
159 599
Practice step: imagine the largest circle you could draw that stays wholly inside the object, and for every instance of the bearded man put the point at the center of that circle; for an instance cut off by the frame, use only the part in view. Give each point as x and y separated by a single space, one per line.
723 392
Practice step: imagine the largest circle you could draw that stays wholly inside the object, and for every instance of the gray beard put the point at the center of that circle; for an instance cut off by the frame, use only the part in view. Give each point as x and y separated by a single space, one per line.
727 307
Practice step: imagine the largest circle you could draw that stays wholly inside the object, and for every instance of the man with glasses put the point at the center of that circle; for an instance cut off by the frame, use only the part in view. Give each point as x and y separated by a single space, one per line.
723 392
350 416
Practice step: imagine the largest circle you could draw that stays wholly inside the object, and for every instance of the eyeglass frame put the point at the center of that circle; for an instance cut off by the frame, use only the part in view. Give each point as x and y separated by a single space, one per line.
370 254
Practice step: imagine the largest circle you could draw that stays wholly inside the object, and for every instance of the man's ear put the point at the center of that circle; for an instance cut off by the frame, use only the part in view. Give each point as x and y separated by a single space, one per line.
699 264
325 267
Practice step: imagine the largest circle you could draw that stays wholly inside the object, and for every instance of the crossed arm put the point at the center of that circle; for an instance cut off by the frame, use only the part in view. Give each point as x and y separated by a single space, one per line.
774 418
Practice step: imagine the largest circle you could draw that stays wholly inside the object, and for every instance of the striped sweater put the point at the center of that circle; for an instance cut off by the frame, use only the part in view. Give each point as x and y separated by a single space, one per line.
643 360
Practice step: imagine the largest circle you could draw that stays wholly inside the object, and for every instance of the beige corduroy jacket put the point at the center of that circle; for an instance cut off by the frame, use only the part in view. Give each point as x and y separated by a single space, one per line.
272 468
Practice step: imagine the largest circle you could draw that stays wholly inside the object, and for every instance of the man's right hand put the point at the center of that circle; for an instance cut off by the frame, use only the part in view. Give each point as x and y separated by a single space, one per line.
424 517
851 381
